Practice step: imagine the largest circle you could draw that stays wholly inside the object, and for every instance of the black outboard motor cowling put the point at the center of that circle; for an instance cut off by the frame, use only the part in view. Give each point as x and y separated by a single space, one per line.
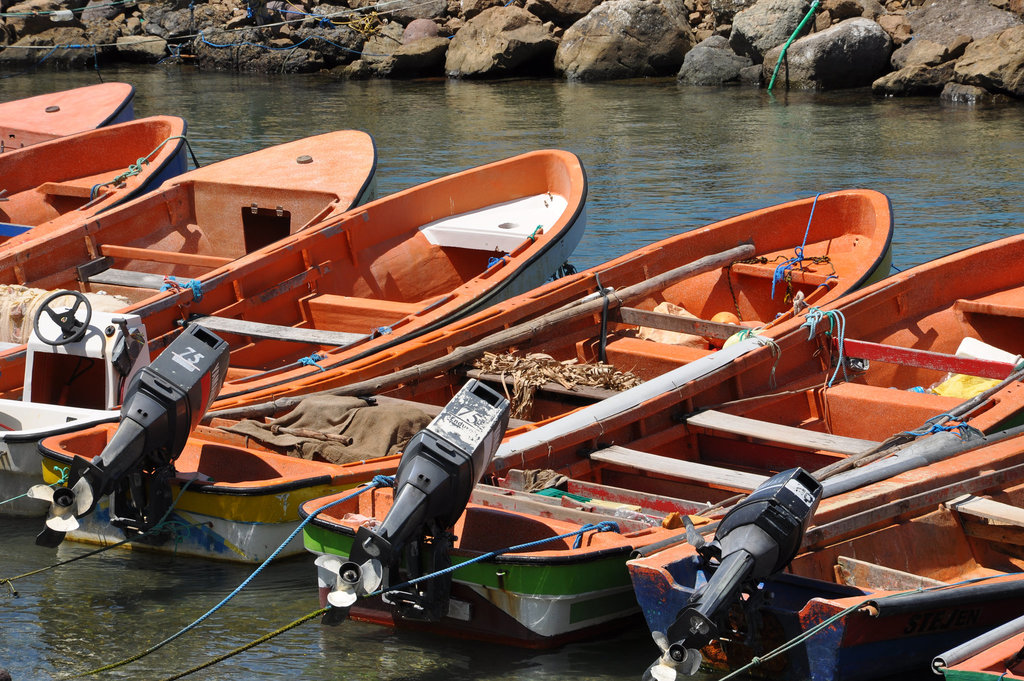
756 539
435 478
163 404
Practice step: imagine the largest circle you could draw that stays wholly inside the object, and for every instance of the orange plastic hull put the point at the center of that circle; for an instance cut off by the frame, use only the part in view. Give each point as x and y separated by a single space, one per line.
368 272
850 234
61 183
32 120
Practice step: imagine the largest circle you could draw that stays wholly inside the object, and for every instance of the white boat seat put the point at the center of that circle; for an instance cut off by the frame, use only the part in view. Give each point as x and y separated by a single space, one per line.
501 227
720 422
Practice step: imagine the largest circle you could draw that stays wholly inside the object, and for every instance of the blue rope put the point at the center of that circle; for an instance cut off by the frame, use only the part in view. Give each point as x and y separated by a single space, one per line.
603 526
935 425
170 282
837 327
312 361
378 481
492 261
381 331
780 271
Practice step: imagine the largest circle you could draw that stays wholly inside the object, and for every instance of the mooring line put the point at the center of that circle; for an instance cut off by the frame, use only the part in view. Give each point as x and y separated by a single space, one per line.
378 481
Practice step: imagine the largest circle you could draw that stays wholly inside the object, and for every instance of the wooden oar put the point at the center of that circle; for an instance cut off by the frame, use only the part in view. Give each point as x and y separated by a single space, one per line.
512 335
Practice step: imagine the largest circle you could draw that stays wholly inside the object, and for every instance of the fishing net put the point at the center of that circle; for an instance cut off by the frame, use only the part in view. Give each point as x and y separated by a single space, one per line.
529 372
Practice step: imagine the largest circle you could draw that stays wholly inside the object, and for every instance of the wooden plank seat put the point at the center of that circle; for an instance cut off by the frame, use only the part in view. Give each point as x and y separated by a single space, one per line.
524 502
989 519
70 189
797 276
169 257
671 322
279 332
712 421
860 573
925 359
355 314
999 304
101 270
677 468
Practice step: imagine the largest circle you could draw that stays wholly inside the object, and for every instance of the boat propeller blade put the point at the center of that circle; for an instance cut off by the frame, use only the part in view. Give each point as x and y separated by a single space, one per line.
66 504
671 664
351 581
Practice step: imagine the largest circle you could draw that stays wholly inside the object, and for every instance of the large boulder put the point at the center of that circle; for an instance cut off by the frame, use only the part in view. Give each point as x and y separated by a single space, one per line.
501 41
626 39
853 53
100 10
914 80
969 94
943 21
995 63
38 16
65 56
423 57
405 12
336 44
562 13
764 25
924 52
725 10
137 48
712 62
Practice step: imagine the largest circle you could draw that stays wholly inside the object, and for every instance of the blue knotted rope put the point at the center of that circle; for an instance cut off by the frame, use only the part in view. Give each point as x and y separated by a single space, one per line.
171 283
780 271
312 361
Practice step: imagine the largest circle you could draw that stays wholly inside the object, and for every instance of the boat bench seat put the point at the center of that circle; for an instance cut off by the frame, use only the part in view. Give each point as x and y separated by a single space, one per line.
678 468
101 270
359 315
677 323
1002 304
501 227
768 271
168 257
70 189
990 519
712 421
279 332
865 575
886 410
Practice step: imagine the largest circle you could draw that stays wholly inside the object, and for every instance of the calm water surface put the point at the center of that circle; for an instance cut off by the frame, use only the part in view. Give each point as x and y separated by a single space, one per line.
660 159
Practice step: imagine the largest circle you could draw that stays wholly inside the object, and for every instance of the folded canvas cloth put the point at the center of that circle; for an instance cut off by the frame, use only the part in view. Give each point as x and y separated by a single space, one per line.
337 429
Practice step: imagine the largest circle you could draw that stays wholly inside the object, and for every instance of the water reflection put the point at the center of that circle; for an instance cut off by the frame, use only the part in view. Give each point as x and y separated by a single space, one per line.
660 158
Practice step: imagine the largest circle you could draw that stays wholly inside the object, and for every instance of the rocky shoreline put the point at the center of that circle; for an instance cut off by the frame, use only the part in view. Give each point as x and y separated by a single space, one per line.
961 50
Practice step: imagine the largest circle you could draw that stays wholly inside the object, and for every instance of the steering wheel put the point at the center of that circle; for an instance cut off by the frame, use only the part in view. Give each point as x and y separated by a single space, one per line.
71 328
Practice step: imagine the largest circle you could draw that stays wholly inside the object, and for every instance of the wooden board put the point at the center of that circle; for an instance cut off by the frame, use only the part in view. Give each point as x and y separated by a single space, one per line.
535 504
169 257
112 277
867 575
277 332
720 422
671 322
685 470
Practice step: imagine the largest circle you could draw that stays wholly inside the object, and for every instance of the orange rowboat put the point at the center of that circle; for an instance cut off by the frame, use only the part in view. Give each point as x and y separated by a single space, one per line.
350 286
193 224
728 267
62 182
31 120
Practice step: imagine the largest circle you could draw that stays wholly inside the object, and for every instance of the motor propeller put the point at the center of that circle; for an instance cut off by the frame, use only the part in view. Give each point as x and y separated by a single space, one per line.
756 539
163 404
435 478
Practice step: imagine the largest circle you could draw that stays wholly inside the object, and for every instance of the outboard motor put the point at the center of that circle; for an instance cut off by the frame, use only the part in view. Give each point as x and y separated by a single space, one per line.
162 405
756 539
435 478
